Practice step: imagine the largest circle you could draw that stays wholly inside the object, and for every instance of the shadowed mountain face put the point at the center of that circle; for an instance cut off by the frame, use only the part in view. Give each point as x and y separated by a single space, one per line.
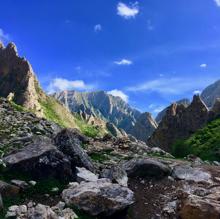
180 122
109 108
211 93
185 102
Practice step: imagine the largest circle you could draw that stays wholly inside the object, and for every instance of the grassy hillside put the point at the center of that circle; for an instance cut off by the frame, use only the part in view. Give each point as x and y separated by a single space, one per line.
205 143
56 112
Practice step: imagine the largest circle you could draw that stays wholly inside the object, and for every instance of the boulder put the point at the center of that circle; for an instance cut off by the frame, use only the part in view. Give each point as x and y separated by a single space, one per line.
8 190
146 168
116 174
195 207
40 159
85 175
185 172
99 198
69 143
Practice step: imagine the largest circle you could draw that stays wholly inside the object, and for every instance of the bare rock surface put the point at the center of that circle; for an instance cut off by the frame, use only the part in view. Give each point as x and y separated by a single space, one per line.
100 197
40 159
179 122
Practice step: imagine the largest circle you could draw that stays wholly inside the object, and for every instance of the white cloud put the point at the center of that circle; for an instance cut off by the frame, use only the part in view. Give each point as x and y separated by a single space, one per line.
203 65
172 86
197 92
3 36
127 11
119 93
123 62
98 28
61 84
217 2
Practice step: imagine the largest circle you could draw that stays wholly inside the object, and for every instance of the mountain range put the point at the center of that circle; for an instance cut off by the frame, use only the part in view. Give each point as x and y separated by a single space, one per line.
109 108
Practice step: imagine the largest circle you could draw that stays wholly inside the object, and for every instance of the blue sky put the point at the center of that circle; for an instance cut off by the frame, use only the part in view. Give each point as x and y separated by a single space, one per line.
150 52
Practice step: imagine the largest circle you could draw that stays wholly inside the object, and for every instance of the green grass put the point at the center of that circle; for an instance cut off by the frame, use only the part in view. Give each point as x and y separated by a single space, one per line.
205 143
88 130
18 107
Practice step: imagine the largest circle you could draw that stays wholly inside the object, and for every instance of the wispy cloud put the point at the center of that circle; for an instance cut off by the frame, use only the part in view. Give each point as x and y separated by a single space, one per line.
150 26
155 109
217 2
98 28
172 86
61 84
124 62
119 93
127 11
203 65
4 37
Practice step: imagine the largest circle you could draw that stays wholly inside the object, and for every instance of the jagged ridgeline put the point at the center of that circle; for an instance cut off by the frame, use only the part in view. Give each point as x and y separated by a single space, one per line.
18 80
112 109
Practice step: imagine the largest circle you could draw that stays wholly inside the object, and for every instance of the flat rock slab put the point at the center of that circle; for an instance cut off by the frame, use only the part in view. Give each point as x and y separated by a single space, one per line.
100 197
85 175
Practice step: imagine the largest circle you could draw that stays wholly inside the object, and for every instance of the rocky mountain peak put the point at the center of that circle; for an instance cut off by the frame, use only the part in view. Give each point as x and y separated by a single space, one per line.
17 77
12 49
180 122
197 102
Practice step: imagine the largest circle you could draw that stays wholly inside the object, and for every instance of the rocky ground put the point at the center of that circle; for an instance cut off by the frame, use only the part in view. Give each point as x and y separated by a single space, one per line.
48 172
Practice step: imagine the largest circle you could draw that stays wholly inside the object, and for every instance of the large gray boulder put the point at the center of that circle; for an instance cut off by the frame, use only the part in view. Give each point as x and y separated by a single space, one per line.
100 197
68 142
146 168
188 173
40 159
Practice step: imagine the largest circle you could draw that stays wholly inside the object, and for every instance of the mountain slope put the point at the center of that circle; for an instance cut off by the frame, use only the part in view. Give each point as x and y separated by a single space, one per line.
205 143
19 83
211 93
112 109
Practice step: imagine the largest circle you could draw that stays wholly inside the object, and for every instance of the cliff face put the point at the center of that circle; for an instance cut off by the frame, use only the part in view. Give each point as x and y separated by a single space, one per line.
110 109
185 102
17 77
144 127
179 123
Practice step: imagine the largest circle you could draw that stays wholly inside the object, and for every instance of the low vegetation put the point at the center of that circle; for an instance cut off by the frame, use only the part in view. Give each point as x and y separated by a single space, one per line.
205 143
55 112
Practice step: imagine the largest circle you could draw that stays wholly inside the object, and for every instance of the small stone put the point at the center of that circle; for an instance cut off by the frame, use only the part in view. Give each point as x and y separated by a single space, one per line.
32 183
55 189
